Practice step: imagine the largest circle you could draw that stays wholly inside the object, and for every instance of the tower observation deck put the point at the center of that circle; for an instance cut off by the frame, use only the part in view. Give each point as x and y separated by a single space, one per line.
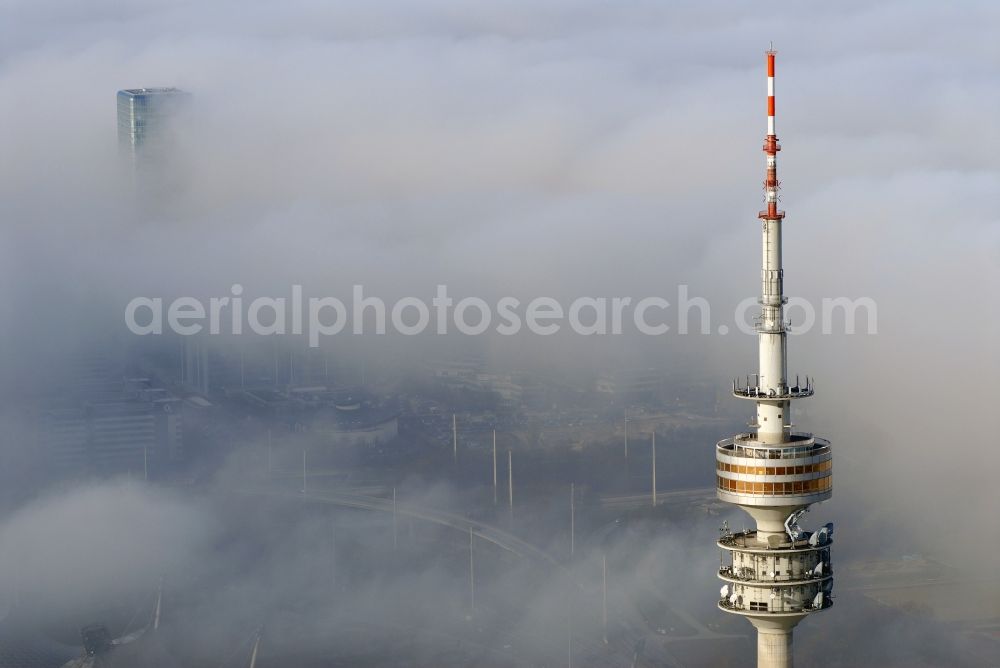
776 574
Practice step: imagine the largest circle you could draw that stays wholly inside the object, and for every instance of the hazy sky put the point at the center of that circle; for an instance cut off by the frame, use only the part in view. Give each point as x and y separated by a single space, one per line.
564 148
568 148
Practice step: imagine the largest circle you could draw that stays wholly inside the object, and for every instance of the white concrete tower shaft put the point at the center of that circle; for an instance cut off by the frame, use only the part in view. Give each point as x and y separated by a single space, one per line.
777 574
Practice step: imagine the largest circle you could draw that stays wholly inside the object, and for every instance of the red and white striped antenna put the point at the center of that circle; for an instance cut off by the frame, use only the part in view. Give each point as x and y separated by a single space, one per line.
771 148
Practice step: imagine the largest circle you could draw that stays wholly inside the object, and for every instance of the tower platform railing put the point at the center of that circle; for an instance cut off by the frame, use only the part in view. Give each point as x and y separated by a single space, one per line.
798 446
732 575
806 608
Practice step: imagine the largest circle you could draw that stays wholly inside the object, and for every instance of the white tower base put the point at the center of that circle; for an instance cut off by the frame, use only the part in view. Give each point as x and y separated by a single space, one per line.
774 646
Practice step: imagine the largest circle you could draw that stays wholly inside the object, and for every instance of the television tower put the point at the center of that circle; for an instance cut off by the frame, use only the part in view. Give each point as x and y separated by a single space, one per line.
776 574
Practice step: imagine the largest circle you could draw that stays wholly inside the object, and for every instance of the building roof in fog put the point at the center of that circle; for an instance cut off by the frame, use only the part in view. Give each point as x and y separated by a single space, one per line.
152 91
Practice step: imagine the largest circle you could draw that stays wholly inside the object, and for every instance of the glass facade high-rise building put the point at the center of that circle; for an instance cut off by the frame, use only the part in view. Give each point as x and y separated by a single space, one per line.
146 125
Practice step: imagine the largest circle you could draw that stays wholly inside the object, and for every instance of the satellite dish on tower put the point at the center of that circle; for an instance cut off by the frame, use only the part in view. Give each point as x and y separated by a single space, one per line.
724 592
792 524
